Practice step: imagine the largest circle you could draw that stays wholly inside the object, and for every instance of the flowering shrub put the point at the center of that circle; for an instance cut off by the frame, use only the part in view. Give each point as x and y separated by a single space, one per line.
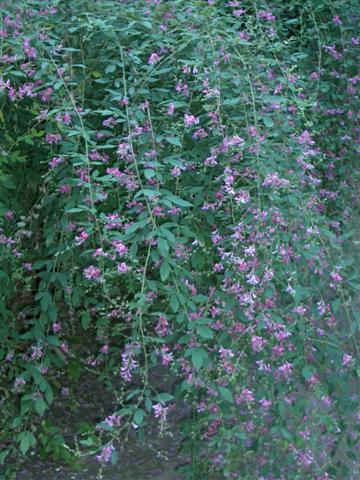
177 185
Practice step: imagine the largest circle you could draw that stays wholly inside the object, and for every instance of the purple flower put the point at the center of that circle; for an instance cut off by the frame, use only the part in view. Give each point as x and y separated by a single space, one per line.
18 383
30 52
105 454
266 15
109 121
65 391
257 343
273 180
160 411
238 12
129 363
53 138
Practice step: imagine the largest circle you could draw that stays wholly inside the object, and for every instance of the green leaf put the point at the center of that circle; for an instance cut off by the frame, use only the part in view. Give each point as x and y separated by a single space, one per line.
164 271
27 440
307 372
226 394
114 457
87 442
3 456
231 101
135 226
40 406
139 416
149 173
163 247
174 303
110 68
85 320
197 357
52 340
178 201
24 445
205 332
268 122
164 397
174 141
49 395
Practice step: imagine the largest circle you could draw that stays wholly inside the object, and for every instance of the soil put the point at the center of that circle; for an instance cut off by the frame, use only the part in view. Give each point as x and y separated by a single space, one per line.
156 456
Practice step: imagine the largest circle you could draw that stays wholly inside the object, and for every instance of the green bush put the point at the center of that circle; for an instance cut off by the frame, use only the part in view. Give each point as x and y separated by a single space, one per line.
177 184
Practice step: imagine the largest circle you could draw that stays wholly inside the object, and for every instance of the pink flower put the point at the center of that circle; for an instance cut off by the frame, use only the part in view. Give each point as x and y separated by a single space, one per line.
114 171
201 133
120 248
305 138
67 118
176 172
246 395
122 267
347 359
162 326
265 404
80 239
170 110
64 189
92 273
154 57
244 36
56 327
335 276
190 120
285 369
54 162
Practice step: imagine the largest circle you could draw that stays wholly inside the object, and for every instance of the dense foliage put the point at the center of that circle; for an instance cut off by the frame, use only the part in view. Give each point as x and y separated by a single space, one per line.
177 189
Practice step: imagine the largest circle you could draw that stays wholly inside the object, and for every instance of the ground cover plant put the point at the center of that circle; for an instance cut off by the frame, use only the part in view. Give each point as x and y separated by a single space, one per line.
178 189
